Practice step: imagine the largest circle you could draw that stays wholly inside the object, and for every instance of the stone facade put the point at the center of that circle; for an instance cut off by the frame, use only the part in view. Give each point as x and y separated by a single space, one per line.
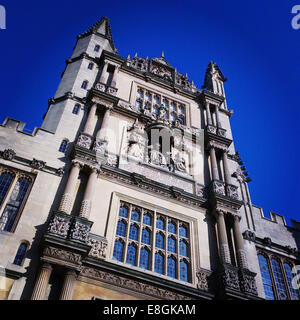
144 143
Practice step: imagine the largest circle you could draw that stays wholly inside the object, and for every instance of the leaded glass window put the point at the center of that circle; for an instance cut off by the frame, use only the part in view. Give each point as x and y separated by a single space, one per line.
266 277
171 267
289 275
14 203
76 109
63 146
152 102
6 180
20 256
279 281
143 233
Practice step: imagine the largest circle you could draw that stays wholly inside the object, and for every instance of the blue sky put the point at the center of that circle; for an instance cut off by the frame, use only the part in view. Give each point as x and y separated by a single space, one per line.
254 44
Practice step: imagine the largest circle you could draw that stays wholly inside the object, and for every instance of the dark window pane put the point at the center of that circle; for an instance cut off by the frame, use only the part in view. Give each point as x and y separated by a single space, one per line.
20 254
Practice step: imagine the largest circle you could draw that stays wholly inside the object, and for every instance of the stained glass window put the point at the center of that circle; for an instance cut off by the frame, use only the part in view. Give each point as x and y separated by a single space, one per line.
144 259
159 263
131 254
171 267
84 85
146 236
171 244
118 250
20 256
136 225
76 109
133 232
160 241
63 146
183 271
121 228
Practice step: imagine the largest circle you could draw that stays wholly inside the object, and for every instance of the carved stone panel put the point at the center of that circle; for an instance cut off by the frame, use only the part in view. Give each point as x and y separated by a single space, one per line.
59 225
84 141
99 247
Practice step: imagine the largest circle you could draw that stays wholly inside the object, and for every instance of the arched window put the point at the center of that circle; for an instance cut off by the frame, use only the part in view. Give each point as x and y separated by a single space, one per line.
147 219
13 205
160 241
146 236
5 182
84 84
144 258
133 232
131 254
118 250
183 271
279 281
135 216
76 109
160 224
183 231
20 256
183 248
171 227
96 48
289 275
171 244
159 263
90 66
266 277
121 228
63 146
123 212
171 267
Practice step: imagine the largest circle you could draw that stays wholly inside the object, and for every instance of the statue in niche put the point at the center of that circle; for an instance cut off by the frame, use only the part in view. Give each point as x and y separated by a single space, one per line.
179 162
156 157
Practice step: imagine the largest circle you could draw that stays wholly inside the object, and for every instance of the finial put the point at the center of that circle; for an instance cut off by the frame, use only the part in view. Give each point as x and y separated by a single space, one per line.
135 55
128 58
186 75
147 58
162 54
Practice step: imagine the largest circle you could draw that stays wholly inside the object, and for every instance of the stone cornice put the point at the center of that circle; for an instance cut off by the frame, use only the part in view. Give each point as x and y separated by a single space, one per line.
10 155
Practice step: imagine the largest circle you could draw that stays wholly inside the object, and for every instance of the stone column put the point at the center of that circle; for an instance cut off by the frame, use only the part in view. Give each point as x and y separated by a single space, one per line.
239 244
42 282
68 286
89 125
104 70
222 237
213 162
88 194
115 76
218 117
208 115
67 198
226 168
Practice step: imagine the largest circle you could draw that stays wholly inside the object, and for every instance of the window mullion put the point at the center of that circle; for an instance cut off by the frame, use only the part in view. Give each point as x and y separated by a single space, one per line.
166 247
127 234
8 194
276 294
140 238
177 248
153 241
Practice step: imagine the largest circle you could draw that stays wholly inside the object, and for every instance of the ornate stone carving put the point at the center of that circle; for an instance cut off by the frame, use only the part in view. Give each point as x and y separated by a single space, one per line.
291 250
267 241
37 164
100 86
131 284
157 158
60 171
80 231
218 187
230 278
211 129
247 282
161 72
100 146
201 191
99 247
59 225
8 154
84 141
221 132
112 91
249 235
62 255
179 162
202 282
232 192
112 160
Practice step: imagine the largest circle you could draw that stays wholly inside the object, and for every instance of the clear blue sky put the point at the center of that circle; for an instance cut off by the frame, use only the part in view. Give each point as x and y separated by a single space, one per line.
252 42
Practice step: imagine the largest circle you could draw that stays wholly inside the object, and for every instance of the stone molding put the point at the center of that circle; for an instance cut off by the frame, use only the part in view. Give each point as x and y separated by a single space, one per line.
61 254
136 286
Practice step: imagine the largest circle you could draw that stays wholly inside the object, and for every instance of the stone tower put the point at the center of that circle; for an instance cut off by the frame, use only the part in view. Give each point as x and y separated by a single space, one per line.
132 189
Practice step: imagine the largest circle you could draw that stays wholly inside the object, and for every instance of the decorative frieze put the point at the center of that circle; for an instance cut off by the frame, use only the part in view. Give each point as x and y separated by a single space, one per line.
62 255
230 277
232 191
80 229
218 187
202 279
136 286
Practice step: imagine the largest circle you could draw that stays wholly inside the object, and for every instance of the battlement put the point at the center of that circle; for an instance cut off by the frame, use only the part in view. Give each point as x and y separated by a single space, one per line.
19 126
